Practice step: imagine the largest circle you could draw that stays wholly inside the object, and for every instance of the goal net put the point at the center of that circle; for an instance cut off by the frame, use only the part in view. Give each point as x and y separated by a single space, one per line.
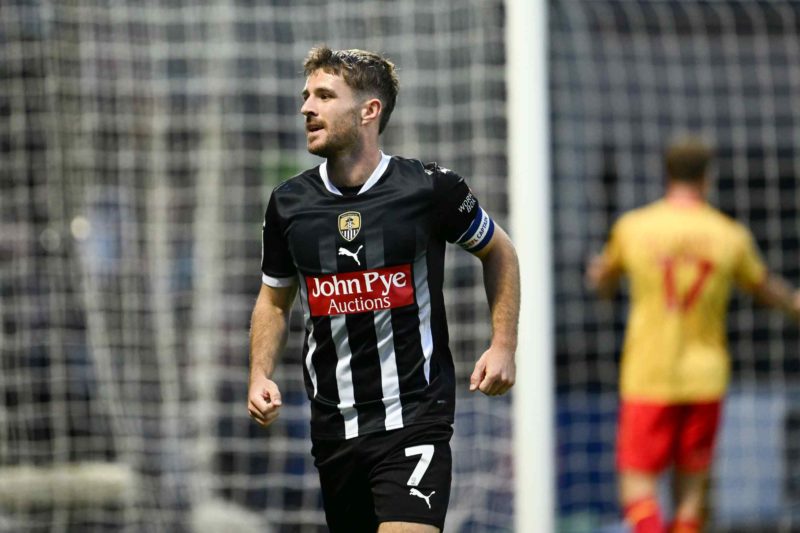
139 142
626 76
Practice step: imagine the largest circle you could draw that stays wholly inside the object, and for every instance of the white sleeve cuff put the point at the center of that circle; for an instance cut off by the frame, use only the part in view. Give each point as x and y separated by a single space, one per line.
277 282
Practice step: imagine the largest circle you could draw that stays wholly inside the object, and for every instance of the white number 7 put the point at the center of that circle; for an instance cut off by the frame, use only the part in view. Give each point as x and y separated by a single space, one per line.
426 453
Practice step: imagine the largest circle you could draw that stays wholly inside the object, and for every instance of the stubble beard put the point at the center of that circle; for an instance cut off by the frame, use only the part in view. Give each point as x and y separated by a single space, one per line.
341 138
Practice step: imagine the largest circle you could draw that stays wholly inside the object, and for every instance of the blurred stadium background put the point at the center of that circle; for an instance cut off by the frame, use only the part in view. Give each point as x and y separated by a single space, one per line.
139 142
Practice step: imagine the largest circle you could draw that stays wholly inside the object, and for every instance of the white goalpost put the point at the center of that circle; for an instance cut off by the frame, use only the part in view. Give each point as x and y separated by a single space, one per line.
530 210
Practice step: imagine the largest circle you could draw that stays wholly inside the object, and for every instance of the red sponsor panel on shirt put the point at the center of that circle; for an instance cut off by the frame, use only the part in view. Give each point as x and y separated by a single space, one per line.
360 292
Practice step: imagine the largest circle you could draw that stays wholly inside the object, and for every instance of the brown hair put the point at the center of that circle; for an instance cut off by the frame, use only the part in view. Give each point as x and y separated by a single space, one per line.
687 159
364 72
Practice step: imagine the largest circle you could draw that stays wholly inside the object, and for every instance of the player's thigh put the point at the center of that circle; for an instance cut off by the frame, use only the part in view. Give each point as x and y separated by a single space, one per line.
406 527
646 436
697 437
411 482
346 488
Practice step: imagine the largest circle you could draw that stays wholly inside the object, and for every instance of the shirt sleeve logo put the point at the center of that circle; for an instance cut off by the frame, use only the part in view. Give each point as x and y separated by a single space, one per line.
349 225
468 203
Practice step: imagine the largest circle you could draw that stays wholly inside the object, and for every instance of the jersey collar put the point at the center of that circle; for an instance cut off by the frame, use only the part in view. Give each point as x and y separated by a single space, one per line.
371 181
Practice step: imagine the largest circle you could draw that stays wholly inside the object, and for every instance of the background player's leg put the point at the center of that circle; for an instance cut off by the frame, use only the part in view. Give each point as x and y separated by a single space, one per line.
689 491
637 492
694 455
645 441
406 527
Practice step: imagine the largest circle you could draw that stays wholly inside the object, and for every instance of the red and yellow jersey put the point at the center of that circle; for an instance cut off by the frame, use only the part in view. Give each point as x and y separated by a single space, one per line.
681 262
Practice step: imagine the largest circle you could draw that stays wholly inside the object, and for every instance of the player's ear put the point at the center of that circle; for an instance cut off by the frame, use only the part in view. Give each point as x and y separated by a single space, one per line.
371 110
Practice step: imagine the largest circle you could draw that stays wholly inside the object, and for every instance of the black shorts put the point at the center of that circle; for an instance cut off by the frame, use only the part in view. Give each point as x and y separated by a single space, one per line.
397 476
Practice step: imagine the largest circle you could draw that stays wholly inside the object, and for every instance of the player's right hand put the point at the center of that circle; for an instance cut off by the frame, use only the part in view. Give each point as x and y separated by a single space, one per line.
264 400
601 276
594 272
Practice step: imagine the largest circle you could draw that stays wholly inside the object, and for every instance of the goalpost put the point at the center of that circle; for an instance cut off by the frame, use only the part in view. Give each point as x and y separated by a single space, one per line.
530 208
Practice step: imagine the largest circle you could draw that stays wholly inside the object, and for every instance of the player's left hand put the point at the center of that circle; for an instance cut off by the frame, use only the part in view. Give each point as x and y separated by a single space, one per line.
494 372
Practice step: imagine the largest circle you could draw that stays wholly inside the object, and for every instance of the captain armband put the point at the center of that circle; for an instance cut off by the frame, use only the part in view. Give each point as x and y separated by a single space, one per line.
478 234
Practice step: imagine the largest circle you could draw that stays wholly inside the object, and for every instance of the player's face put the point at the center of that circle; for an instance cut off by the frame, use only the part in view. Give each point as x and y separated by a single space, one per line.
332 114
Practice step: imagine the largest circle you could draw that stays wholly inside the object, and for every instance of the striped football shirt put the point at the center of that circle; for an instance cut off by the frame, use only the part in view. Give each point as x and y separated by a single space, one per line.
369 263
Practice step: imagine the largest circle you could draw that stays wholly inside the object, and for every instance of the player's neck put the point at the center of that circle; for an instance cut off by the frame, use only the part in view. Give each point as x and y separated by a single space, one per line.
685 194
351 169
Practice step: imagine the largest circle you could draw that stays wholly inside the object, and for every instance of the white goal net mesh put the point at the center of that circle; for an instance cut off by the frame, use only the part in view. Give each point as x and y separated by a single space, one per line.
626 76
139 142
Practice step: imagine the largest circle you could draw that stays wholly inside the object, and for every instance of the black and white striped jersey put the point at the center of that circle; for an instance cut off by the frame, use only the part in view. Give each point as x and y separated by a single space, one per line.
369 264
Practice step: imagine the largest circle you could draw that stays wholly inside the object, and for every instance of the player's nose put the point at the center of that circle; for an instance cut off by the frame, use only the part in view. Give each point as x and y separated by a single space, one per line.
307 109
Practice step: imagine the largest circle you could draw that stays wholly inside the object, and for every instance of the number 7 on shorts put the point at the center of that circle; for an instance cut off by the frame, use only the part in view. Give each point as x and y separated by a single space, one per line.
425 451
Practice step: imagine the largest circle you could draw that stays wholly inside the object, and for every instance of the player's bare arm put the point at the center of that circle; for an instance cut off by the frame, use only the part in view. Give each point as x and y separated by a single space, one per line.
495 371
778 293
602 277
269 325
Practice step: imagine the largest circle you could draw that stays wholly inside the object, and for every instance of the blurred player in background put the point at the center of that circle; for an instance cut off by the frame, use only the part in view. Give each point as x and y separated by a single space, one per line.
681 256
362 236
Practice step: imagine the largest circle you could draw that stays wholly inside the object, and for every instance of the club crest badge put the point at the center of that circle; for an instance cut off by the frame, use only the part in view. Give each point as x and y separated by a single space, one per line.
349 225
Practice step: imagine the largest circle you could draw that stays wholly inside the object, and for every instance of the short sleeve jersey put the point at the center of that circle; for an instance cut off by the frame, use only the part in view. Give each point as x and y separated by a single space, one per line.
370 266
682 263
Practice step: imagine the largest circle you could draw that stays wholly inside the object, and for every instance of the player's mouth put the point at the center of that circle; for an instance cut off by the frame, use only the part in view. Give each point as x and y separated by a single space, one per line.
314 127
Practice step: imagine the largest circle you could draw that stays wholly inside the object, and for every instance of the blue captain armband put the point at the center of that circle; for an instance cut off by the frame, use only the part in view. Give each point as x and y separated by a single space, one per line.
479 234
